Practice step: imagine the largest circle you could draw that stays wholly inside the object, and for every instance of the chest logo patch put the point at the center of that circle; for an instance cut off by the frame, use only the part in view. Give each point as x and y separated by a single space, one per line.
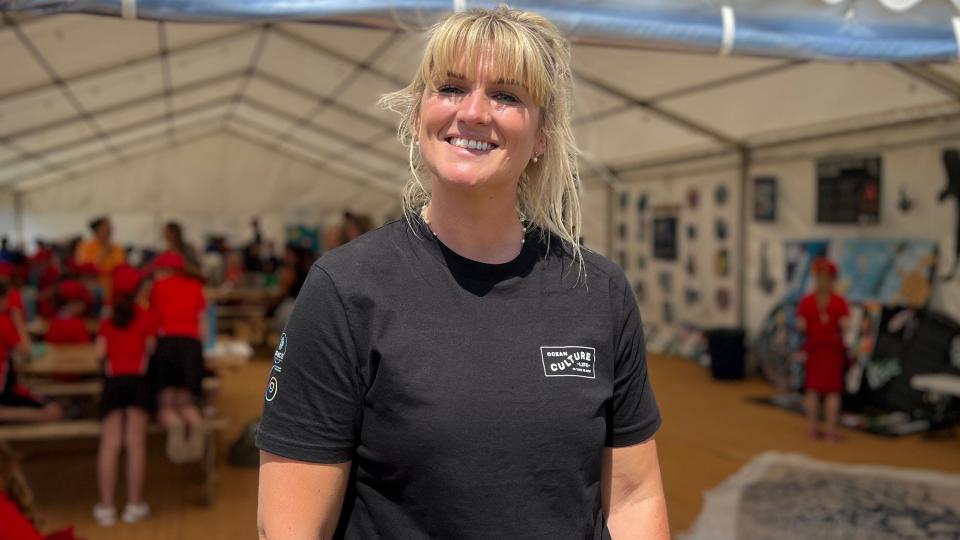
569 361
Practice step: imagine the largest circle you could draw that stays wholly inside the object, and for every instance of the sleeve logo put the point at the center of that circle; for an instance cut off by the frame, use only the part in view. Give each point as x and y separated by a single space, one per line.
569 361
271 389
280 352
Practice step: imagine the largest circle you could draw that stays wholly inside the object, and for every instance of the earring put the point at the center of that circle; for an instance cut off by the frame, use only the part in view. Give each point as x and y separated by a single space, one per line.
416 142
536 159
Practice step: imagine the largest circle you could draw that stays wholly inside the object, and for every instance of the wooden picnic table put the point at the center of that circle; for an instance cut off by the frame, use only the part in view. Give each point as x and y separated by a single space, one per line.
81 359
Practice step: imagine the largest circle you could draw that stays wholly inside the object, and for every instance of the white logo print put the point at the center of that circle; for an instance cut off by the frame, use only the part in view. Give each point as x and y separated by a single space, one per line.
280 353
569 361
271 389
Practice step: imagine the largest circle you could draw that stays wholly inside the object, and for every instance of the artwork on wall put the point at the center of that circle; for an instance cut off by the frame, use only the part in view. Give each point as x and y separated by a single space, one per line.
622 231
641 262
624 200
723 299
691 231
691 266
720 228
905 204
665 233
642 203
951 167
891 271
691 296
848 190
721 263
693 198
765 198
721 194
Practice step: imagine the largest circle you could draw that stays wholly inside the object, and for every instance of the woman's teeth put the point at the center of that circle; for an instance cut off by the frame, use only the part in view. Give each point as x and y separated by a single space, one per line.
471 144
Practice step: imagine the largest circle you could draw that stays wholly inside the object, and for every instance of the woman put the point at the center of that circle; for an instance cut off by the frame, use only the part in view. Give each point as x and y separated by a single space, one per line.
297 261
469 372
173 238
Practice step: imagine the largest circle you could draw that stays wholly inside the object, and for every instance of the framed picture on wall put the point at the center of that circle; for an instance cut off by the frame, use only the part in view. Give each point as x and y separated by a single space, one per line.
765 198
665 233
848 190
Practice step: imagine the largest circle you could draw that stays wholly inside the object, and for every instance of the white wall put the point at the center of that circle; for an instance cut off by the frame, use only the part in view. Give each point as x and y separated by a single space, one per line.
8 224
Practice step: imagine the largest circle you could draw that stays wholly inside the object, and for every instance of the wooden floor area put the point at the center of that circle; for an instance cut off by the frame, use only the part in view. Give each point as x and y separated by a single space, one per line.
709 432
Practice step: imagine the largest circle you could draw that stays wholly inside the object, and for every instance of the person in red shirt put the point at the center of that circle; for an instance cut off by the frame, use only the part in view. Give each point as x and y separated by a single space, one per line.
69 325
17 515
124 341
823 316
177 303
17 403
14 304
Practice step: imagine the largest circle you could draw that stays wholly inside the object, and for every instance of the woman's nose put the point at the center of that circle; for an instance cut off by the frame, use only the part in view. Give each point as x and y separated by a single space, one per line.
474 108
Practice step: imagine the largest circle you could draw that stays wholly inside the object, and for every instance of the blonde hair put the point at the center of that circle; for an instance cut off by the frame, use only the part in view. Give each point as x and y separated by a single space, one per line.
523 47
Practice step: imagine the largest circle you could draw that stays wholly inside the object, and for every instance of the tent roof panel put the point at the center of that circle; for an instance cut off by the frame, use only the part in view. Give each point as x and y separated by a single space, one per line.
364 93
349 125
290 102
121 84
298 62
634 134
271 124
215 58
77 43
179 34
21 112
54 137
222 90
356 43
116 119
646 74
402 59
77 152
809 94
16 60
19 169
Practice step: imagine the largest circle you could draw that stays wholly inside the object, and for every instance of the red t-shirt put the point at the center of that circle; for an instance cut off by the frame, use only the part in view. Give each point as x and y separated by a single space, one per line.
16 526
176 302
65 330
127 347
15 301
9 338
823 329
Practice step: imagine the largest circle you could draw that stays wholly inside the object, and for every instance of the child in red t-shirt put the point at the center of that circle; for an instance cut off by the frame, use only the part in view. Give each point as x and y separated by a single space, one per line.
177 303
124 341
17 403
14 306
69 325
823 316
17 520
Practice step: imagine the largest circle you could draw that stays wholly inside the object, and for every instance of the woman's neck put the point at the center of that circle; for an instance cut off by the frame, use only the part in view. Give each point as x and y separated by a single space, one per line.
481 226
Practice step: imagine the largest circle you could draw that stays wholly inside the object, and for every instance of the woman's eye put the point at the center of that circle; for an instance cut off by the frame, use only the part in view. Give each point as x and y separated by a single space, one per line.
506 97
449 89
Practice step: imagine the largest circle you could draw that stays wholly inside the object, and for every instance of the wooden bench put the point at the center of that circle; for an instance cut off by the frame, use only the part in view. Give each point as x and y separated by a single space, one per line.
90 428
92 388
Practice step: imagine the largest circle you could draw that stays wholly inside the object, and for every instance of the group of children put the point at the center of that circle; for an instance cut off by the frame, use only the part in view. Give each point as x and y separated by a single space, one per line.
149 338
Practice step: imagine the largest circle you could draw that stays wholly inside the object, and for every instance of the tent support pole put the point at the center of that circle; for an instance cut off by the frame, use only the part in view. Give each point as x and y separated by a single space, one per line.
745 216
18 217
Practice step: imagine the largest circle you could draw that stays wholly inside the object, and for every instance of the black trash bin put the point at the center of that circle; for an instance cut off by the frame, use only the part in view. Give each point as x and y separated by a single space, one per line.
727 352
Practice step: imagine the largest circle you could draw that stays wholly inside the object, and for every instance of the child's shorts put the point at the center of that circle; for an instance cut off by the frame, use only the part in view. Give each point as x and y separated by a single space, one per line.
124 391
178 363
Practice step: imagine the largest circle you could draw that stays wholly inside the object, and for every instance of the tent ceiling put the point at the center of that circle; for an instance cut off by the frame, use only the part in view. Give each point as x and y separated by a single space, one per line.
83 92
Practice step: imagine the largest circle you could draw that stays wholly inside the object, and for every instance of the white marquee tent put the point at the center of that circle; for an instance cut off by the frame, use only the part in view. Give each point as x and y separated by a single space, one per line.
214 123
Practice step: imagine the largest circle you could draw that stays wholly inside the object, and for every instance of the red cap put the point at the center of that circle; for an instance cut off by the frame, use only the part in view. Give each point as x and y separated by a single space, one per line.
823 265
73 290
170 260
42 255
126 279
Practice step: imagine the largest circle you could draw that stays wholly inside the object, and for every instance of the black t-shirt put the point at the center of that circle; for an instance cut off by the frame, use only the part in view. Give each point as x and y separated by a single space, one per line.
474 399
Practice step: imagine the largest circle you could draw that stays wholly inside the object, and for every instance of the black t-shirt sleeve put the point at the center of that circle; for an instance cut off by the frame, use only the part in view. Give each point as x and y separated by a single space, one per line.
313 402
633 413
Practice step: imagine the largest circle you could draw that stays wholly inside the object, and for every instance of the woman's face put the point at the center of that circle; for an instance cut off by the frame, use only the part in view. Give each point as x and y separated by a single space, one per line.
476 130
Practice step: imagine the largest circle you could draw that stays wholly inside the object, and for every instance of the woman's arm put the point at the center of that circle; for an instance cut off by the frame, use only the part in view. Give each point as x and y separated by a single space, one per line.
632 492
299 500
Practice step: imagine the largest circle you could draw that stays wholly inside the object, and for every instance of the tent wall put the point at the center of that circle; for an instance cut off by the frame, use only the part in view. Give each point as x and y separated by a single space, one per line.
691 286
8 211
212 185
594 201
